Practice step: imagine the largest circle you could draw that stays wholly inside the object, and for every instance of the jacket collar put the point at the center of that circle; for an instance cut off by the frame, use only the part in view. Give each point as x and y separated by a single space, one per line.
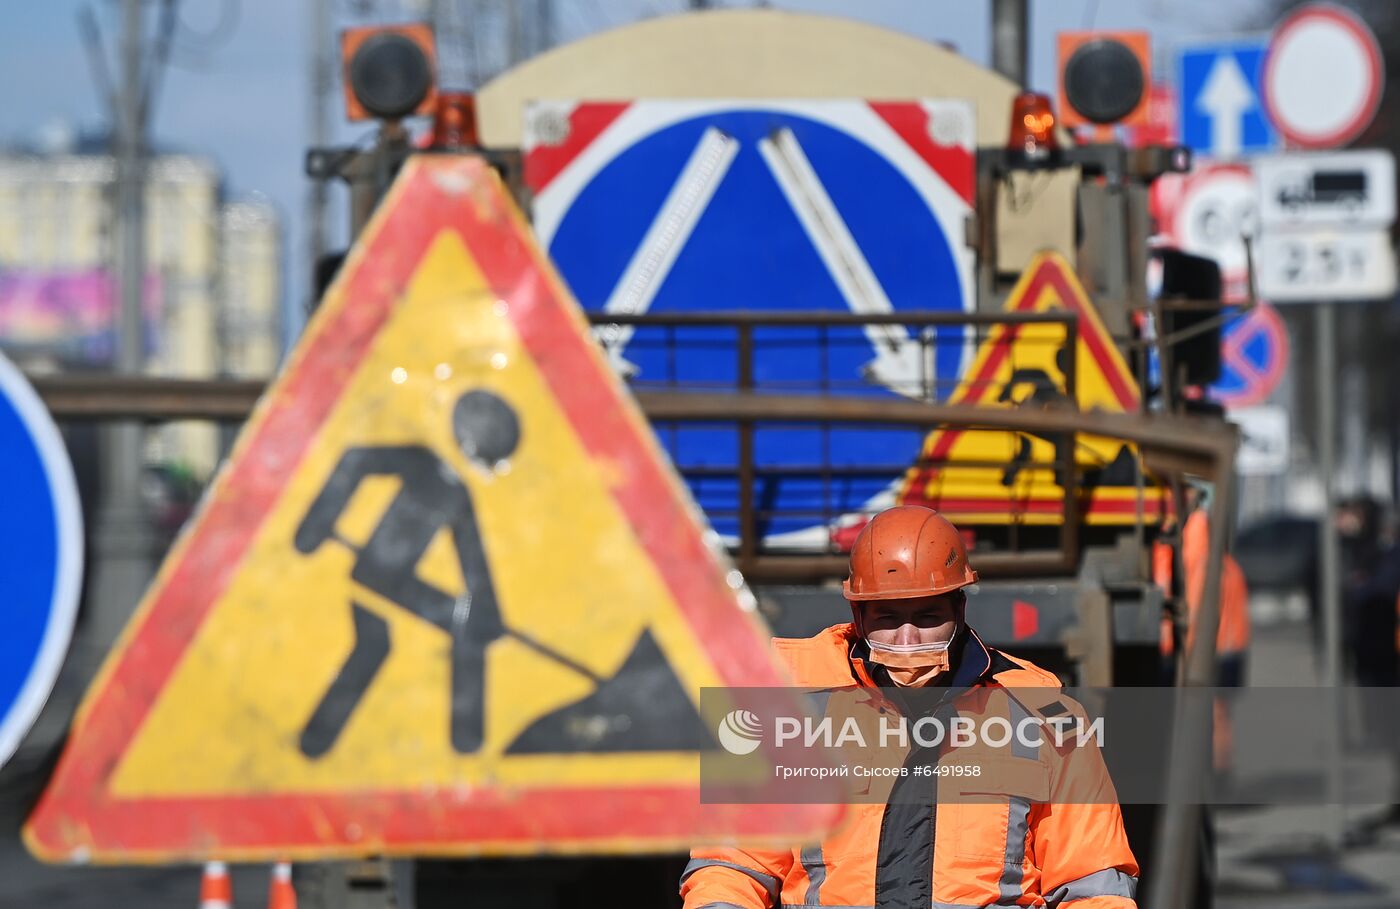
974 661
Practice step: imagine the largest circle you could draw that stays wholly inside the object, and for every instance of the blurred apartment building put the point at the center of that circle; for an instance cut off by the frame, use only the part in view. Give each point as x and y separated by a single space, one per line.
213 284
250 275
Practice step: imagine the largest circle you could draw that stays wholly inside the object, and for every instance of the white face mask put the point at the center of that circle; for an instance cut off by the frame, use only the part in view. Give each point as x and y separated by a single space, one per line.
912 665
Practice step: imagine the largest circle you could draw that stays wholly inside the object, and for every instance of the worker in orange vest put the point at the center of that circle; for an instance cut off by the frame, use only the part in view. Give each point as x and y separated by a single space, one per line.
1232 638
1049 833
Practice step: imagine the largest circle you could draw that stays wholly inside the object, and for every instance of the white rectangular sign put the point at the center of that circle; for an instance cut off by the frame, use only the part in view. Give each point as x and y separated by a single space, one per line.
1325 265
1263 440
1331 189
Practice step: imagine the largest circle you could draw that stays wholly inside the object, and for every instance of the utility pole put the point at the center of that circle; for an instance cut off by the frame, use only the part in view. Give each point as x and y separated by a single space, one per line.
124 541
1010 25
515 34
1330 563
458 68
1355 389
545 33
319 133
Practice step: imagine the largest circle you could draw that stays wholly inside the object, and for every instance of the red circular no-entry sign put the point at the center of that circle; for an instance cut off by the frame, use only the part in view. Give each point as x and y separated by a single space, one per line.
1323 76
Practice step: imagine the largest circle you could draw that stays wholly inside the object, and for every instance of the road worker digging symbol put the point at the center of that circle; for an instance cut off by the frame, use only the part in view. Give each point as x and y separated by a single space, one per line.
446 584
433 498
1046 391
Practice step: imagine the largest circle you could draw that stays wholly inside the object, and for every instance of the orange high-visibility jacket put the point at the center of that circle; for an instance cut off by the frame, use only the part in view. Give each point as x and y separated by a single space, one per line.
1060 842
1233 636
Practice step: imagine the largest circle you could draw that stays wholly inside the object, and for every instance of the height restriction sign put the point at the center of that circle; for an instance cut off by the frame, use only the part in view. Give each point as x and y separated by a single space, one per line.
447 595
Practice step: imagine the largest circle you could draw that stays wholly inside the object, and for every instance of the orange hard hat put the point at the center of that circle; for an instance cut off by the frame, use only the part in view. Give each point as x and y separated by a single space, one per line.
909 551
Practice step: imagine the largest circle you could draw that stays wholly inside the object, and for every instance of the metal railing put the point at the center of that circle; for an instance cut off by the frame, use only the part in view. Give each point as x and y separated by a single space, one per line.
749 402
743 336
615 332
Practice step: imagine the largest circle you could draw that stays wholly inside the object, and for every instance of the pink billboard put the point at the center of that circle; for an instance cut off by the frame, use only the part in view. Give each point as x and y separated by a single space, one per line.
71 315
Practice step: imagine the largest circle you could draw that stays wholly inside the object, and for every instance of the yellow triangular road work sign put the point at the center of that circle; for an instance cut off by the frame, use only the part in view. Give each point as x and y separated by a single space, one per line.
448 594
998 477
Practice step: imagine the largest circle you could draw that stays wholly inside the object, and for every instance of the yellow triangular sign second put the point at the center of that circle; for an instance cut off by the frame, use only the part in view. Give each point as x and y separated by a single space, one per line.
998 477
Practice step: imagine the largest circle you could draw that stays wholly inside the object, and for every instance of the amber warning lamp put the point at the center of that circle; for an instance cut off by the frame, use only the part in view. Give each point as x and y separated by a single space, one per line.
389 71
1032 129
454 122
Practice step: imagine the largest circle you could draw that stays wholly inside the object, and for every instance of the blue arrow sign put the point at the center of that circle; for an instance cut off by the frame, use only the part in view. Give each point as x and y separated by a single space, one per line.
41 555
769 210
1220 103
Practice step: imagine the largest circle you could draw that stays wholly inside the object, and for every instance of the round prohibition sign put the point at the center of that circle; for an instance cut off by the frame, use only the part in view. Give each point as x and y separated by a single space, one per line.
1323 77
1253 356
1217 208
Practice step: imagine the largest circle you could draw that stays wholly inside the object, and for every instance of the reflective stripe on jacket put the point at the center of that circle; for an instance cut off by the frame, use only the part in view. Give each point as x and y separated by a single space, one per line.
1060 842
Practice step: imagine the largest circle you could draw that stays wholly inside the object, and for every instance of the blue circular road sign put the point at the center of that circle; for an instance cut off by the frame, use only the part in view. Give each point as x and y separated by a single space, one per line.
41 555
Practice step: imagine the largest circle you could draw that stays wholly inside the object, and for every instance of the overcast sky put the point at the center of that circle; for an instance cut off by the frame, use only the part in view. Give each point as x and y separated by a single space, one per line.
242 99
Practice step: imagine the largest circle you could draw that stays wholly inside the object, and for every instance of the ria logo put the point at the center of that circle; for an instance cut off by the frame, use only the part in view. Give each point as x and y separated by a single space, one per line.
740 732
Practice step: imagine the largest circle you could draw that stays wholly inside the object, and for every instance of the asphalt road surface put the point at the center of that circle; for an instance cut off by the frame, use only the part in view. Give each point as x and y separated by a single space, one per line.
1275 856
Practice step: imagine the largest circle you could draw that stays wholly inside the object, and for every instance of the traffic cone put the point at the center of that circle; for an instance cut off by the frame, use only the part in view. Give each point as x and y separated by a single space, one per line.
215 890
280 894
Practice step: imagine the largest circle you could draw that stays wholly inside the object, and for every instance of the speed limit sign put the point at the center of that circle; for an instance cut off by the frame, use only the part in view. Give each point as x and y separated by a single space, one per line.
1217 207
